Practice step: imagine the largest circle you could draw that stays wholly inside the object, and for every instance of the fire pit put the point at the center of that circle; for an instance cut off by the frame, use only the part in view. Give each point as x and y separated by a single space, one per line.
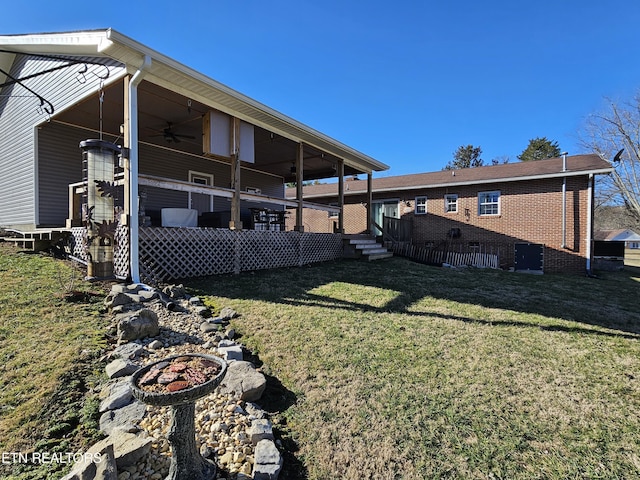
178 382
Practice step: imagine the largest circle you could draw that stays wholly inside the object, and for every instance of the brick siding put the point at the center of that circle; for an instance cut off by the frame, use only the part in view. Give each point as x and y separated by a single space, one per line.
530 212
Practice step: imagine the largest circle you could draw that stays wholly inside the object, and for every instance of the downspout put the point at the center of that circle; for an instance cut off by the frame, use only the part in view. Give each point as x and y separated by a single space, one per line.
589 220
134 224
564 201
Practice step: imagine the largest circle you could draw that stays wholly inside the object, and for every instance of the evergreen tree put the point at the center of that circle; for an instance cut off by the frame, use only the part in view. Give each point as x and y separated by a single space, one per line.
465 157
540 148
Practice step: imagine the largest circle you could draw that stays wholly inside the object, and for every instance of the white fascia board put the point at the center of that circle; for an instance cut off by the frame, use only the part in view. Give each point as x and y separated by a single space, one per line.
67 43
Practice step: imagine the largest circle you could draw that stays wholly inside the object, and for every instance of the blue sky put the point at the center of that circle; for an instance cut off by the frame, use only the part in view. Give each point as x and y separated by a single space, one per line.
406 82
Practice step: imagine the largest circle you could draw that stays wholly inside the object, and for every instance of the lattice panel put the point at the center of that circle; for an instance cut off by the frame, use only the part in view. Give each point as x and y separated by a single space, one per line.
171 253
121 252
263 250
320 247
79 243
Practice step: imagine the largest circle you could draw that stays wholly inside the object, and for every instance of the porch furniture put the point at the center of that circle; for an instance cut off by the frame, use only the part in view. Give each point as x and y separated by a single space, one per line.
265 219
179 217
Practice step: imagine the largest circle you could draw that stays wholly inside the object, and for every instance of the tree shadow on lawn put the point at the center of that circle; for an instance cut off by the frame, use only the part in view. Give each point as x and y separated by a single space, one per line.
609 301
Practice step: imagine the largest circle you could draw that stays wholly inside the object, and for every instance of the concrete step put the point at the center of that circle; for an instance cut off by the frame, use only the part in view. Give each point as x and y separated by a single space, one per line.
379 256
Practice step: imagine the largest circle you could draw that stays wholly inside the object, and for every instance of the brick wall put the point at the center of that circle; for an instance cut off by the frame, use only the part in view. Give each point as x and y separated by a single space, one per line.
530 212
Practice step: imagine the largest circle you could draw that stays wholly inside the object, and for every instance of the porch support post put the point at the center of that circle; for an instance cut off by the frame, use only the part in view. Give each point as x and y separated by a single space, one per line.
299 227
341 196
235 223
369 202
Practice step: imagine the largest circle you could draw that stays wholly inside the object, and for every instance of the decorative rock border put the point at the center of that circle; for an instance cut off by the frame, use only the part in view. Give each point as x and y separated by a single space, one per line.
230 428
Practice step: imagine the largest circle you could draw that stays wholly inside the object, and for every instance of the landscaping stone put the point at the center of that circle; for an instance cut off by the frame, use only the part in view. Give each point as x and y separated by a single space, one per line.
128 447
120 368
127 351
267 461
231 353
207 327
125 418
100 464
261 429
223 420
116 394
244 380
141 324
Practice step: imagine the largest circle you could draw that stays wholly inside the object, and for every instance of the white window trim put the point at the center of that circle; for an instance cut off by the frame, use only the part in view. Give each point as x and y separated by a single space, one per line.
418 202
480 205
446 202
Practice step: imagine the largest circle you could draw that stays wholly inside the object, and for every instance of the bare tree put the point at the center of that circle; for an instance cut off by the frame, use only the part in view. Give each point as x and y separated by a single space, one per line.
615 135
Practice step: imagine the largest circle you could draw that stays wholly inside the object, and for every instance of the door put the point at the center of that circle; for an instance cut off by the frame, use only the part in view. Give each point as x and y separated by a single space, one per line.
201 201
529 257
381 209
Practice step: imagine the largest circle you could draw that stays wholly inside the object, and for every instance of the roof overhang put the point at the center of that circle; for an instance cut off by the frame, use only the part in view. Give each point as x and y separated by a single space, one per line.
177 77
360 191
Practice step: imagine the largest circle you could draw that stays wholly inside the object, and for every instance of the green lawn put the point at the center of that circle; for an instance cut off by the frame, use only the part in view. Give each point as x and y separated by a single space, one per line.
383 370
390 369
49 344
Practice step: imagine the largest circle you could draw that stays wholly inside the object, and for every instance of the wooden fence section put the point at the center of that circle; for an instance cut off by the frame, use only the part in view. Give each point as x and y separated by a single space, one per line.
489 258
173 253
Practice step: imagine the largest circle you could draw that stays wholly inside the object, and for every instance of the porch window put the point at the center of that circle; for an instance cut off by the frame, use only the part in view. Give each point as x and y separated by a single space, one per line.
199 201
451 203
489 203
421 205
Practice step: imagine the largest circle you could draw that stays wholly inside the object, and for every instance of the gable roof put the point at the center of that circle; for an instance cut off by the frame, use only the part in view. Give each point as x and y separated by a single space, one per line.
510 172
619 235
169 73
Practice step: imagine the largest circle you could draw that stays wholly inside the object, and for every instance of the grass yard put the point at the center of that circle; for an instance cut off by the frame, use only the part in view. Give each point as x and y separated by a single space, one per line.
50 334
395 370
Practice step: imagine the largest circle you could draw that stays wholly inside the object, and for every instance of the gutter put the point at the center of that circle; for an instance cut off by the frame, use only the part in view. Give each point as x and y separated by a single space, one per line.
564 201
568 173
134 224
589 222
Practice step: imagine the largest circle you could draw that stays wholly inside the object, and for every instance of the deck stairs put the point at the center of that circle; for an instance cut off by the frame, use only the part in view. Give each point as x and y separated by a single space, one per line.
364 246
36 240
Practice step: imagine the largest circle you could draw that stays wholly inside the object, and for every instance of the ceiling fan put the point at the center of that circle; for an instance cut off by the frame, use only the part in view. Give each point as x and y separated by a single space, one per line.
170 136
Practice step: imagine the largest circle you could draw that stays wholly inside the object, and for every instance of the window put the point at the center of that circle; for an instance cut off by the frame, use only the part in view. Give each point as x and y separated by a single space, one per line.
421 205
333 214
489 203
451 203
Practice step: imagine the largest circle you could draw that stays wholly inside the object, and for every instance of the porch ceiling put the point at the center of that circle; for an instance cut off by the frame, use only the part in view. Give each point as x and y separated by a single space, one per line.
160 109
164 97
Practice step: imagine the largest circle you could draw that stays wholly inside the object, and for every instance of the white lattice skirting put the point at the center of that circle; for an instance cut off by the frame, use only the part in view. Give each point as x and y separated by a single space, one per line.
173 253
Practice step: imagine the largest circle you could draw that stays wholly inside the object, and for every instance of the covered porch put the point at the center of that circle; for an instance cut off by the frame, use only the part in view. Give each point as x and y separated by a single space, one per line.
214 159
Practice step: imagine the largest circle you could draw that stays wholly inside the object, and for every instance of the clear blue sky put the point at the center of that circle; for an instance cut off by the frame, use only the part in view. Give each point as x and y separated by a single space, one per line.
405 82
